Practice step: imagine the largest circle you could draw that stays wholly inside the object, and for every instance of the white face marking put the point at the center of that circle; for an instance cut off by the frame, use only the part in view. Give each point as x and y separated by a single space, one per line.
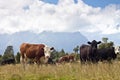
47 51
117 49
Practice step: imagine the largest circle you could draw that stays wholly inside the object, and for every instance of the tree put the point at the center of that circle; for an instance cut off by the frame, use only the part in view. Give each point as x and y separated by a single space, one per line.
102 45
9 53
61 53
55 54
17 57
106 44
0 58
104 39
76 49
110 44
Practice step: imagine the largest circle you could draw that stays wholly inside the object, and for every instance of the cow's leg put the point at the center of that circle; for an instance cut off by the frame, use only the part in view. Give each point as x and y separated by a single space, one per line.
82 60
23 60
37 61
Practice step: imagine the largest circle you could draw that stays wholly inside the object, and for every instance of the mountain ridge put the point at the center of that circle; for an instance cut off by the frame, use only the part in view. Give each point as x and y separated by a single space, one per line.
59 40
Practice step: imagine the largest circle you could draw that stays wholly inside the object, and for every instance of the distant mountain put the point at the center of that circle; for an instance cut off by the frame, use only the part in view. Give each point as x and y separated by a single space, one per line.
59 40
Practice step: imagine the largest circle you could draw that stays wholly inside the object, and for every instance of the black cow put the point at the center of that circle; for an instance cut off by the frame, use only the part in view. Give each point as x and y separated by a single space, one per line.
8 61
85 51
89 52
106 54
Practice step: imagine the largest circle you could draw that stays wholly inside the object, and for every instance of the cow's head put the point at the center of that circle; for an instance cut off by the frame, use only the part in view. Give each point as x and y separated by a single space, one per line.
47 51
94 43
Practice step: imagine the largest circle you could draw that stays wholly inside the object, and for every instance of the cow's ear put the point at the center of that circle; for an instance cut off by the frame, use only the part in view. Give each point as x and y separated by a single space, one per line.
89 42
52 48
98 42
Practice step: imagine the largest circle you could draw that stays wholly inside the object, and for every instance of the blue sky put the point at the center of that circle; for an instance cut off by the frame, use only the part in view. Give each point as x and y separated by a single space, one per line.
101 3
94 3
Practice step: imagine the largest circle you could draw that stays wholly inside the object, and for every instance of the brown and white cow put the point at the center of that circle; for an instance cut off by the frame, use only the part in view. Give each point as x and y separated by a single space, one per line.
66 58
34 51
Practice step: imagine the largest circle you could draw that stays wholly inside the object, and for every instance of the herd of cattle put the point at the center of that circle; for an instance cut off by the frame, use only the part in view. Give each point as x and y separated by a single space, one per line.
88 53
93 54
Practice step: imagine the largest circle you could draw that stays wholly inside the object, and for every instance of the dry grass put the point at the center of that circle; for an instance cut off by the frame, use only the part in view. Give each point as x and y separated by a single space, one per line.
69 71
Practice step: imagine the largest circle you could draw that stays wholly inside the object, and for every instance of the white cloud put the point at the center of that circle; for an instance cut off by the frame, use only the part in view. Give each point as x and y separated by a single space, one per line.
38 16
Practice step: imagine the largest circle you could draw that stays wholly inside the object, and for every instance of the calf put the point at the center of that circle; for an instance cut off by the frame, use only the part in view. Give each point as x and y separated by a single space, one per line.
66 58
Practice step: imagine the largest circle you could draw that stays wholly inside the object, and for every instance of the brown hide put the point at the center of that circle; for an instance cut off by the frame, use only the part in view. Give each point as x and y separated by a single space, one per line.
66 58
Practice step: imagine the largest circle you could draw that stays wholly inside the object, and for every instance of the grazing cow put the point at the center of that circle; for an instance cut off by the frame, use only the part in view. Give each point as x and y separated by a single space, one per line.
89 52
8 61
35 52
66 58
106 54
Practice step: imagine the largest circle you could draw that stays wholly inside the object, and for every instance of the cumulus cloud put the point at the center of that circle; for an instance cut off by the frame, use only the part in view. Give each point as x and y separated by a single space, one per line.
66 16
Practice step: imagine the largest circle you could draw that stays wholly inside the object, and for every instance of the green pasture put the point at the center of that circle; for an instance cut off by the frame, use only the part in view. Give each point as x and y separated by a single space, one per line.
67 71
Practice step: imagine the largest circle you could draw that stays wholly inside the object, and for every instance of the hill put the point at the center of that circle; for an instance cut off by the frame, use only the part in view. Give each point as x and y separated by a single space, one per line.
60 40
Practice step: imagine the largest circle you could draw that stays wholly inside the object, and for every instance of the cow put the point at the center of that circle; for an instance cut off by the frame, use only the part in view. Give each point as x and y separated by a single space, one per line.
8 61
66 58
88 52
34 52
63 59
107 54
85 51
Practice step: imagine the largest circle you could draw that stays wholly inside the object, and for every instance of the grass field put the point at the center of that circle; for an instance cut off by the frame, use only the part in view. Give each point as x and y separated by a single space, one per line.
68 71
